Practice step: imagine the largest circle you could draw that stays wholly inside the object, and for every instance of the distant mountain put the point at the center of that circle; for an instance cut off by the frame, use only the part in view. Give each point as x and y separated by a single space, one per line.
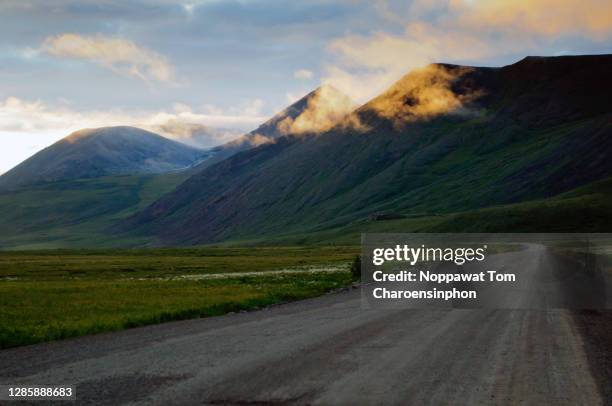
442 140
277 126
99 152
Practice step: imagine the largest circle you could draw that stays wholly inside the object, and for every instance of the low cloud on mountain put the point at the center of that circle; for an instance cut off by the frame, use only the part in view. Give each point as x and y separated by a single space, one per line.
326 108
205 128
424 93
197 135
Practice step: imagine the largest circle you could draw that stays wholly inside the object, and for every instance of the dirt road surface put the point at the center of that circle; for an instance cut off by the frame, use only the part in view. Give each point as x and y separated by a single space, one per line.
329 351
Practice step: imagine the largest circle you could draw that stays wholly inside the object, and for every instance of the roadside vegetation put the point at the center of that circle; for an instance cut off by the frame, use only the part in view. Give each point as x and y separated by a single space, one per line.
50 295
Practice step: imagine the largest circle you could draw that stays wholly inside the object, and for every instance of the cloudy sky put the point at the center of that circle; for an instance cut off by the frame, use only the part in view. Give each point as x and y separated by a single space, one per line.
230 64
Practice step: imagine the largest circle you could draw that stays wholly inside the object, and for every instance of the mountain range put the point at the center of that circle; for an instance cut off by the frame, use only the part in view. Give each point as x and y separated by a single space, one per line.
71 193
524 147
527 131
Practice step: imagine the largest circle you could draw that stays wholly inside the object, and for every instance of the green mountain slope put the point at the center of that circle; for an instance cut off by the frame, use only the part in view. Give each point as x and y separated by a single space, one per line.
585 209
76 213
527 131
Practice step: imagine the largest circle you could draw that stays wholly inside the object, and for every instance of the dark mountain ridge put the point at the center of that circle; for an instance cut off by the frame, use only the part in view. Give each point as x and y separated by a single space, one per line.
529 130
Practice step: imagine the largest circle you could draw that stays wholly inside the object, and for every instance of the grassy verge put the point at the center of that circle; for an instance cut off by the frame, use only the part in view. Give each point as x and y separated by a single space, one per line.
52 295
163 262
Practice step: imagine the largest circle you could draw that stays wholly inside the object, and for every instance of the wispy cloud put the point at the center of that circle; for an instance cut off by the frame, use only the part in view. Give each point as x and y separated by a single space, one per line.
119 55
195 134
547 18
19 116
303 74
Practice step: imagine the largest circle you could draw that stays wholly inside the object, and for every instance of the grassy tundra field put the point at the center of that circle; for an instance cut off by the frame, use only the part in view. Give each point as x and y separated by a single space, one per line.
56 294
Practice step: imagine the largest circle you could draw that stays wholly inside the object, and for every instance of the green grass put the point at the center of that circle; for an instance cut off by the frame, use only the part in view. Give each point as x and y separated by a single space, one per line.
166 262
50 295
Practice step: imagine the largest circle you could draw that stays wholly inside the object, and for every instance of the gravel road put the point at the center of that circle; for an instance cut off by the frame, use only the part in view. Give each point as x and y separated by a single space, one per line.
329 351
